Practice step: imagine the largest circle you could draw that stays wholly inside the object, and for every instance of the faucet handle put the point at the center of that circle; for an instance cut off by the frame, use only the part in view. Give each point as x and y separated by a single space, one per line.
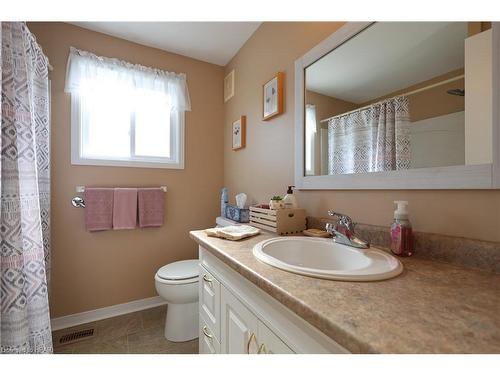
343 231
344 219
332 213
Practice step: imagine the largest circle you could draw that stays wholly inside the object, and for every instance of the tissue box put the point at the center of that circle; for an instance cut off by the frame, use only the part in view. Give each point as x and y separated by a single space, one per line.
241 215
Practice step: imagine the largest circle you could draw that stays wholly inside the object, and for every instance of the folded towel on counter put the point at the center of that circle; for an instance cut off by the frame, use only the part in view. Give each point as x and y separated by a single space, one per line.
98 208
125 208
151 207
233 232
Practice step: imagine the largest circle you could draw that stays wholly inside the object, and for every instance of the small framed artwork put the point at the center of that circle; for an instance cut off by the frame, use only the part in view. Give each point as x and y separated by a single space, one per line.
229 86
239 133
272 97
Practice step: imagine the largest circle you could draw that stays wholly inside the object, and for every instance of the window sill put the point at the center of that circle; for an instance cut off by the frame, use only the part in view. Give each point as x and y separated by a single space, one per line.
126 163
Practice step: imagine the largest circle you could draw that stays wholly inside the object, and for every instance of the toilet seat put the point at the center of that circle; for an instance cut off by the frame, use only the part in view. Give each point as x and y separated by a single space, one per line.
181 272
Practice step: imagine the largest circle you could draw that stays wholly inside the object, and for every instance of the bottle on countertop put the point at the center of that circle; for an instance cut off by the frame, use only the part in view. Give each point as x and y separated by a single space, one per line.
224 200
401 231
289 200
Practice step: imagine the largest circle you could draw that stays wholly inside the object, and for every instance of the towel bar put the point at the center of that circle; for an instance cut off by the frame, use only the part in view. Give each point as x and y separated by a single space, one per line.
81 189
79 202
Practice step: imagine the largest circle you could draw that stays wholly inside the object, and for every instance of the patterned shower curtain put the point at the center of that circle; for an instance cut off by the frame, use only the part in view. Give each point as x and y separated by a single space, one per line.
24 201
371 140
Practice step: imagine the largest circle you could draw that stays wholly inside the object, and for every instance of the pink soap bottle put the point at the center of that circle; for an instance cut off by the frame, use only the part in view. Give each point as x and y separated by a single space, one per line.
401 232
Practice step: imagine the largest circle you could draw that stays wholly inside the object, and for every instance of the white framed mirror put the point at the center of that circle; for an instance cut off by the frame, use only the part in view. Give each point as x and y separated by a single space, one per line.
399 105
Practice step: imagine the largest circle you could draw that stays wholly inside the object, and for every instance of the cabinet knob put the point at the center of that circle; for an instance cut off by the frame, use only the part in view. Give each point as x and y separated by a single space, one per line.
249 342
207 278
206 333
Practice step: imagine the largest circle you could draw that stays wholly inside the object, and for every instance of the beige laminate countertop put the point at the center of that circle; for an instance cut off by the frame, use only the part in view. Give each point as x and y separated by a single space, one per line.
431 307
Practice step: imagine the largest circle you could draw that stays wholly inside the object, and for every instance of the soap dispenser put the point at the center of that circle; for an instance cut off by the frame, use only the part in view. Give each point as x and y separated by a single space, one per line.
289 200
401 231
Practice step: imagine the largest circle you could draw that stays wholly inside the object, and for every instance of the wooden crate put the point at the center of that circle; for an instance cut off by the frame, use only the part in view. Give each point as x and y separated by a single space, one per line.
284 221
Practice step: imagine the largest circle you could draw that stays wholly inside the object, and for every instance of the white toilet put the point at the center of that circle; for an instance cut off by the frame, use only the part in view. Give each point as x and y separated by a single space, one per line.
224 222
177 283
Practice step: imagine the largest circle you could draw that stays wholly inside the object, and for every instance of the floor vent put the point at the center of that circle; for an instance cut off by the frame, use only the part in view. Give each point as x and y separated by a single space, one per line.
75 336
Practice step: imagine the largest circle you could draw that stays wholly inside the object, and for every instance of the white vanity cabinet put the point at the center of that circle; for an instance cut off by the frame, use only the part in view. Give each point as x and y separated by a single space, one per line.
243 332
209 301
238 325
236 317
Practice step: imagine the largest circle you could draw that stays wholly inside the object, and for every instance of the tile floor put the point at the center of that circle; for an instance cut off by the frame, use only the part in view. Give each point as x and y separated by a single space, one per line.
139 332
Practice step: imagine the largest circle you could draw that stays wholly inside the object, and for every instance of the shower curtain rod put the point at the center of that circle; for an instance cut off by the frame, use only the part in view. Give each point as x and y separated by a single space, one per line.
397 96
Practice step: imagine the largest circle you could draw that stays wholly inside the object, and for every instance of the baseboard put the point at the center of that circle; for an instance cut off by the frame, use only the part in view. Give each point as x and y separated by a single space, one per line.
105 312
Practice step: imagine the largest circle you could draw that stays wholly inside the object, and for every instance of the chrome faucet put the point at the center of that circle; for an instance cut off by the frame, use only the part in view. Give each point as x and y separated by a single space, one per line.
343 231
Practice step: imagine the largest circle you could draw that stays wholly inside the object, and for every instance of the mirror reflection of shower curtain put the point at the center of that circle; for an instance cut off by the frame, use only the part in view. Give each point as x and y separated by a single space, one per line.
310 149
371 140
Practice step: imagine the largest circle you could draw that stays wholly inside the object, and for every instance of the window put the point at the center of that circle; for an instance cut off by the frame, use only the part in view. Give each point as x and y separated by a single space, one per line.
311 126
125 115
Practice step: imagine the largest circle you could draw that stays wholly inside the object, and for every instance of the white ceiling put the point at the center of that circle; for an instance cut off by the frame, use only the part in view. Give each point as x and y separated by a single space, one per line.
387 57
213 42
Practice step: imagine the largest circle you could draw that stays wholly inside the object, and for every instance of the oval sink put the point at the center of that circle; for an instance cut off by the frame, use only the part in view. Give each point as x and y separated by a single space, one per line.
323 258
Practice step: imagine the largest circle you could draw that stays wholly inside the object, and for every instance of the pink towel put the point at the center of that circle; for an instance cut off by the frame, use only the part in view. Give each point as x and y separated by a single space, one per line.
98 208
151 207
125 208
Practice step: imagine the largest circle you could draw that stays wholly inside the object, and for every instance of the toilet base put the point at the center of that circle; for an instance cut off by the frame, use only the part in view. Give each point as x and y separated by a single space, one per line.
181 323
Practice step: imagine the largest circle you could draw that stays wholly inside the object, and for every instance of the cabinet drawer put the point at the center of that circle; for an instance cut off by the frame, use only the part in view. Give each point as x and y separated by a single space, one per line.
269 343
208 343
209 301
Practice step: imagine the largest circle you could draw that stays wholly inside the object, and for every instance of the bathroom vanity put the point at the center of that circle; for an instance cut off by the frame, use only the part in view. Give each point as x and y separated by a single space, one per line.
247 306
237 318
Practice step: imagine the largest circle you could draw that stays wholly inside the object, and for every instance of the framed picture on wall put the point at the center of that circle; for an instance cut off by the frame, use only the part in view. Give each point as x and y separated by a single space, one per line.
272 97
229 86
239 133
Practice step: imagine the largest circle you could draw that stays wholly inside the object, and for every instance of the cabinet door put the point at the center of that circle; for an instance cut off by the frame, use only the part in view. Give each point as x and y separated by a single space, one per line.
208 343
209 300
269 343
238 326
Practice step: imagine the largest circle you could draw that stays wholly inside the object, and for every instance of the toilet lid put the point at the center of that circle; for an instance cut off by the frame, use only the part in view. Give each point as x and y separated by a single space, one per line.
182 270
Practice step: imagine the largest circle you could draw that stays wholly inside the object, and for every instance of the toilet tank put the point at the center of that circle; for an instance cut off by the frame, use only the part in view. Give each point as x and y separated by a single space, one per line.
224 222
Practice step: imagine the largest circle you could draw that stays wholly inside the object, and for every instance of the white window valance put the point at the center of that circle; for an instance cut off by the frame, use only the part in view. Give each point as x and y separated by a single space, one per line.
86 71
